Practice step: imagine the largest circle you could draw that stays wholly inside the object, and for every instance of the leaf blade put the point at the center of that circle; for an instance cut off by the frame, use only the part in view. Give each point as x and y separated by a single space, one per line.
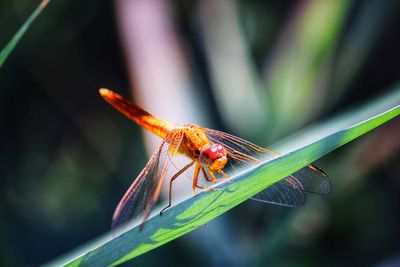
203 207
6 51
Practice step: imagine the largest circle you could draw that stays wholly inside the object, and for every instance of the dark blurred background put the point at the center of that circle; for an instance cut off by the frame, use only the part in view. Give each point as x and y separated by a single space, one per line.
258 69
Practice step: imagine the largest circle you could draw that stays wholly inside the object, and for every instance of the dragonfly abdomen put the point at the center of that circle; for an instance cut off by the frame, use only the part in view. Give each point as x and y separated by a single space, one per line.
137 114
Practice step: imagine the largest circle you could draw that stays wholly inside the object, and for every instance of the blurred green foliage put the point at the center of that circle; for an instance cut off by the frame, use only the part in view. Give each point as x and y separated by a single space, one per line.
67 158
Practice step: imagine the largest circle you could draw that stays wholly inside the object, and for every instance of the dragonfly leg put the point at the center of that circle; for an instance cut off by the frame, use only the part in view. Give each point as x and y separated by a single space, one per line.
213 178
205 174
207 188
224 174
176 175
227 178
196 178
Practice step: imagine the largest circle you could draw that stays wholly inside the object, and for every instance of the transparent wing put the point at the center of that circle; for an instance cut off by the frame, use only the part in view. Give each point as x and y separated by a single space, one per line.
287 192
145 189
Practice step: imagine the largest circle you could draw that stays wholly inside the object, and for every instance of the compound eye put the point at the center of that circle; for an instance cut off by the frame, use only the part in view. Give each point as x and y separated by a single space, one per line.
215 152
213 155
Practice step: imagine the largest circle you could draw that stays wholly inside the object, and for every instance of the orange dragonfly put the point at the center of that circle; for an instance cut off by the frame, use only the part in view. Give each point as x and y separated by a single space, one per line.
209 151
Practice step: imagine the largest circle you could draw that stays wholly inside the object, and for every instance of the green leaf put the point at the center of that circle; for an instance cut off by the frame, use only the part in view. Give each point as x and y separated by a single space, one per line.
113 249
17 36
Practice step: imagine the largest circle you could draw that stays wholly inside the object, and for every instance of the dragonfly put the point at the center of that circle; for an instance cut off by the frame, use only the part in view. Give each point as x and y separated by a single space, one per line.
208 151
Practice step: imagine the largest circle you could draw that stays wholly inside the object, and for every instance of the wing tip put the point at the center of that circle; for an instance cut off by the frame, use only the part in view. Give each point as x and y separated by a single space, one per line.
328 187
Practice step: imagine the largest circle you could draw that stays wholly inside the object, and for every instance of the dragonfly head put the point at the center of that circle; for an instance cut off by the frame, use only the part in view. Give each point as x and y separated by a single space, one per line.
213 157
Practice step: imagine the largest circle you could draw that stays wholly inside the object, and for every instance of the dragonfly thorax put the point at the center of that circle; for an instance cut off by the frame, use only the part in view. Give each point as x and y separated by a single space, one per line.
213 157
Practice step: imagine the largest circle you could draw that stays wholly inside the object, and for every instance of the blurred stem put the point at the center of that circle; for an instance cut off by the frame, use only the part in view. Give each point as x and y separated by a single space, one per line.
363 34
157 66
296 74
236 84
